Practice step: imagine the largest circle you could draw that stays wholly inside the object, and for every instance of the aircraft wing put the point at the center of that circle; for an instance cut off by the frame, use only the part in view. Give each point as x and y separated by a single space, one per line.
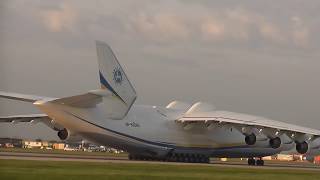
247 120
237 119
33 119
23 118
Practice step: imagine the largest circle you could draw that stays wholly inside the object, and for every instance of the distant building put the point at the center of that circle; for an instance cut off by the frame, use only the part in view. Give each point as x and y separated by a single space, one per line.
317 160
285 157
8 145
298 157
13 142
268 158
35 144
71 147
59 146
223 159
32 144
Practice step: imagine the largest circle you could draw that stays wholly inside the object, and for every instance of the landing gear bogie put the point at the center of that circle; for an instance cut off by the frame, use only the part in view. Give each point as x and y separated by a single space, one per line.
253 162
260 162
173 158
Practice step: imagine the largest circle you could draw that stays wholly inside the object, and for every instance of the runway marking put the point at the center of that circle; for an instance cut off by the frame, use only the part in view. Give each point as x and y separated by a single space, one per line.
117 159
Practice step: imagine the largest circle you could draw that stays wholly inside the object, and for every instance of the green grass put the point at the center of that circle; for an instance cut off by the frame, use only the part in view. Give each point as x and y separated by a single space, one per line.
53 151
20 169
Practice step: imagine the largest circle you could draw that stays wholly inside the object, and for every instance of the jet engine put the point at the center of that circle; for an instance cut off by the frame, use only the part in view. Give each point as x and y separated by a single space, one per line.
251 139
310 148
65 134
313 150
302 147
275 142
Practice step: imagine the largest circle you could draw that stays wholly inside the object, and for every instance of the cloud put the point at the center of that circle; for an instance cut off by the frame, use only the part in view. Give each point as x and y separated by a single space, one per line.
213 29
270 31
160 26
246 61
300 32
161 23
301 37
174 24
243 23
61 19
240 15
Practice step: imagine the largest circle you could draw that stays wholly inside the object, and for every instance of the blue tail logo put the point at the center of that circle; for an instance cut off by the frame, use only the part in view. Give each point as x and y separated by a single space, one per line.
117 75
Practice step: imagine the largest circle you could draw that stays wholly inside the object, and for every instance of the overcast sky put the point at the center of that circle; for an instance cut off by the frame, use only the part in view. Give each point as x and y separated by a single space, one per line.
256 57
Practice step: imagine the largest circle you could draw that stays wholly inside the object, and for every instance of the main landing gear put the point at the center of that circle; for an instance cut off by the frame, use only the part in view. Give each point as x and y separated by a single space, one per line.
187 158
253 162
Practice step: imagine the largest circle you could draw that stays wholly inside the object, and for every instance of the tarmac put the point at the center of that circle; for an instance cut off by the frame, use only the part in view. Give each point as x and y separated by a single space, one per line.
120 159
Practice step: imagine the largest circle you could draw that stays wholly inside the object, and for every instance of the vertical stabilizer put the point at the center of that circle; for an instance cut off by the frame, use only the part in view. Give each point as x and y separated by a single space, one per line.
112 76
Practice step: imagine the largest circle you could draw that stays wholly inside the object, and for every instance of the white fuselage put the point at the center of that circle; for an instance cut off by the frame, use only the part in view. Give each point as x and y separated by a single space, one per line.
180 131
146 131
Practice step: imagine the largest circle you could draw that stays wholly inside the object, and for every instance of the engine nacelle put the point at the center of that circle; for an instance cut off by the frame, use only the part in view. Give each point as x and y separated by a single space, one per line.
250 139
66 135
275 143
308 147
313 147
63 134
302 147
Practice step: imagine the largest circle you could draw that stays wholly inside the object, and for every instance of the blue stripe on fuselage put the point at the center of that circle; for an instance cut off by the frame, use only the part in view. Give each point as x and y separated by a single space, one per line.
161 144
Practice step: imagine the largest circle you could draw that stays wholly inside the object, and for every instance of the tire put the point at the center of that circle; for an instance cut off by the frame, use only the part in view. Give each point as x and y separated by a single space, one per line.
251 162
260 162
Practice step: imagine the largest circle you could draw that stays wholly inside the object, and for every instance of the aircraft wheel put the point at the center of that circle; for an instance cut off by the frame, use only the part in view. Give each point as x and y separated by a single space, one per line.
180 159
191 159
197 159
174 158
207 160
260 162
186 159
251 162
202 159
132 157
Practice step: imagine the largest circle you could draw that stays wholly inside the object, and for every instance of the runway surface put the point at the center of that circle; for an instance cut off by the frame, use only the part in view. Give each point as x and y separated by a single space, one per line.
119 159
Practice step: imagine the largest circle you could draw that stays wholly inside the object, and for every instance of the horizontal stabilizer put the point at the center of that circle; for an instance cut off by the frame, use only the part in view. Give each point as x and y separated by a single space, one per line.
22 97
88 100
116 94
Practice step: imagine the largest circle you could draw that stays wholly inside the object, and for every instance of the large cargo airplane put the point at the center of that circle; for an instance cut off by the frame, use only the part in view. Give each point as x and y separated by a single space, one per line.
178 132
